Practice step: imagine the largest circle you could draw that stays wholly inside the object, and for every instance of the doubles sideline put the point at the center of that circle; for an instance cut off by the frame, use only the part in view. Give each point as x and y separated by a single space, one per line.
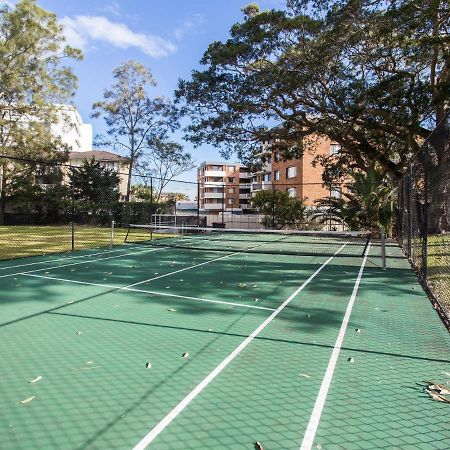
311 429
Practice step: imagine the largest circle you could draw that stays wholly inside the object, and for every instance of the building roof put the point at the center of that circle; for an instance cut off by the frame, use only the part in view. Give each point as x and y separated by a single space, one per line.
98 155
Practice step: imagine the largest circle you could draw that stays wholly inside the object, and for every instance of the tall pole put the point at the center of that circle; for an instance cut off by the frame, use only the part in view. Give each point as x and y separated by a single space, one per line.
198 202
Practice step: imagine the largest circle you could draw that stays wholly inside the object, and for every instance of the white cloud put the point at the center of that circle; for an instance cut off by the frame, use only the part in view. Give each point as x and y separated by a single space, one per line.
189 26
81 30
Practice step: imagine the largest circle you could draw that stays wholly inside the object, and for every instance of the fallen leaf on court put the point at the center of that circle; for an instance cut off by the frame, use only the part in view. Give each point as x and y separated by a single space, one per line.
358 330
350 359
79 333
437 397
69 302
35 380
308 316
210 329
255 286
256 299
257 446
27 400
185 355
171 309
305 375
241 285
89 362
148 365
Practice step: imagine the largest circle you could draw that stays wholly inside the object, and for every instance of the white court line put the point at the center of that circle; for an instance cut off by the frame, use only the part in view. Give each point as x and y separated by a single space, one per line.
164 294
154 433
310 433
68 257
80 262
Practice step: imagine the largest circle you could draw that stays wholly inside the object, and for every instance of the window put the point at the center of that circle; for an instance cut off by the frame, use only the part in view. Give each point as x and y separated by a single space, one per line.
231 180
231 201
334 149
231 191
292 191
267 177
291 172
276 175
336 192
231 168
216 168
276 157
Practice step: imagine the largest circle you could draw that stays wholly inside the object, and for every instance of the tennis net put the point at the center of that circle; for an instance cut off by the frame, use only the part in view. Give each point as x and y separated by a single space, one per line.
283 242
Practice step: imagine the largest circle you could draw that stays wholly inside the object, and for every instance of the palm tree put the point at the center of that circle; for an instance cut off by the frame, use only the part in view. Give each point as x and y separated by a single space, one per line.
367 203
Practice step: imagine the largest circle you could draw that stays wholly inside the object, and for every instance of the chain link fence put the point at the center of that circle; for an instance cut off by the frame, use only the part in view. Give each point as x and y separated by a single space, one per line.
423 225
50 207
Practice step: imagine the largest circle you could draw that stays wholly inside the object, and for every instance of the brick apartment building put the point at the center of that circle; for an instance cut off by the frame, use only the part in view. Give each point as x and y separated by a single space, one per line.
298 177
227 187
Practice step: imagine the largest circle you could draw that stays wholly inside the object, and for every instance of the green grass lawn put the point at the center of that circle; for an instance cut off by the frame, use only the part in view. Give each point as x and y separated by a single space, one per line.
25 240
438 270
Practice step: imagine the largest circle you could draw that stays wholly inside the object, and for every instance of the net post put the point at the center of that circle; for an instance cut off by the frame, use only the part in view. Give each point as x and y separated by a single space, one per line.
383 249
369 237
425 215
111 242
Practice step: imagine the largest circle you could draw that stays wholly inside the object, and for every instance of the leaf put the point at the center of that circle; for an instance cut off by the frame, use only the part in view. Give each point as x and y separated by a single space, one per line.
27 400
35 380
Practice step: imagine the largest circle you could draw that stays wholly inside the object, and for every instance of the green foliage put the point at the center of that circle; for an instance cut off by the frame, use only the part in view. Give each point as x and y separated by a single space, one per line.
93 183
250 10
372 76
279 209
367 203
33 81
134 120
95 190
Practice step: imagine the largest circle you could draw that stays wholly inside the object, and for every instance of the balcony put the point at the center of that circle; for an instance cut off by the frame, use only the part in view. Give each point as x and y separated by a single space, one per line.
214 173
244 175
261 185
212 195
213 206
244 196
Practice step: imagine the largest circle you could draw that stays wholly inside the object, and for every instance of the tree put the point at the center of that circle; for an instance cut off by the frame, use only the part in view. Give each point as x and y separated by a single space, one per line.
134 119
370 75
33 81
367 203
164 161
93 183
279 209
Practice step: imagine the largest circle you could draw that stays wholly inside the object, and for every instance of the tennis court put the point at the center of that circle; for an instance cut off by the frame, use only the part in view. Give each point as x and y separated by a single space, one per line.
293 341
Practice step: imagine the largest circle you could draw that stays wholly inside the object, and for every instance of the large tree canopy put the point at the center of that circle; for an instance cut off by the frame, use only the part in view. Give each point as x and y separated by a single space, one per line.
134 118
373 76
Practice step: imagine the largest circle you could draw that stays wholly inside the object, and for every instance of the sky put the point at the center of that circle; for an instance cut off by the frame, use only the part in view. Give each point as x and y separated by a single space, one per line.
169 37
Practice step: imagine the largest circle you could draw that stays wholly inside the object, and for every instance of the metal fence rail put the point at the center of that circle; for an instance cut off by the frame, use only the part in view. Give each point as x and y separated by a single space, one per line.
423 225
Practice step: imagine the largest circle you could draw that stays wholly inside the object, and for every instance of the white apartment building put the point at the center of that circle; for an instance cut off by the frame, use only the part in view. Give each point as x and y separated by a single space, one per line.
223 187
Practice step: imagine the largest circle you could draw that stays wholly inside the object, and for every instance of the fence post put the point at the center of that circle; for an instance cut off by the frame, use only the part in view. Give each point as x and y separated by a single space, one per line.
425 214
223 201
73 217
111 243
198 203
383 249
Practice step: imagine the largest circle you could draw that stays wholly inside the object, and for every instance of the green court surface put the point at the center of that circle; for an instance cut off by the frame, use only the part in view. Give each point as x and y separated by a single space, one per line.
274 352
